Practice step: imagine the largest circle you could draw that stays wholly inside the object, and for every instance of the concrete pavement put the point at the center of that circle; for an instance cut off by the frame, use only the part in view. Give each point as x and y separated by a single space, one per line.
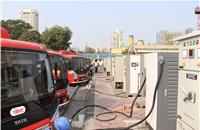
103 84
86 118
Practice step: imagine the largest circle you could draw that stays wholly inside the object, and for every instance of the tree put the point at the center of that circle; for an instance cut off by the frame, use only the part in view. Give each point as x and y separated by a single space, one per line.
169 37
56 37
89 49
15 27
189 30
31 36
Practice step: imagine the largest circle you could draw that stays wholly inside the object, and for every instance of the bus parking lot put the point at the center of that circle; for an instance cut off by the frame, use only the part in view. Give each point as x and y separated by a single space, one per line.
132 84
86 118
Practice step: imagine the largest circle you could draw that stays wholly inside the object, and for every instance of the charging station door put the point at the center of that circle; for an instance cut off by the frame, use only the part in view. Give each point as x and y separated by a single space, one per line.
134 73
118 71
188 103
164 113
188 112
124 73
108 66
112 67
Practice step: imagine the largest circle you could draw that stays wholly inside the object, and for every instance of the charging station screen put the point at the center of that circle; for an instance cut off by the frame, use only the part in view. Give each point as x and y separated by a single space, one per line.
198 52
134 64
191 53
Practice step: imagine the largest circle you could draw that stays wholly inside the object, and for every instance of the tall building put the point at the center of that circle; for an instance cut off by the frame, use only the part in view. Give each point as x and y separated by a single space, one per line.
161 36
117 39
189 30
30 16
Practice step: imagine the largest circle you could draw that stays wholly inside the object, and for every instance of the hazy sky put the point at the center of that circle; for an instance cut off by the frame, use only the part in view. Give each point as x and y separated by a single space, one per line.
93 22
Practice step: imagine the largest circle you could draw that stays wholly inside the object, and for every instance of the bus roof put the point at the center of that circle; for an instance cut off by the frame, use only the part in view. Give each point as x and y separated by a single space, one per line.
8 43
51 52
71 56
67 52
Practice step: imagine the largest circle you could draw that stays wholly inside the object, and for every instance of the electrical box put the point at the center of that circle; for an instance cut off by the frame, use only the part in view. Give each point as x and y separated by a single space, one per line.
124 74
134 73
108 66
112 67
163 116
188 112
118 72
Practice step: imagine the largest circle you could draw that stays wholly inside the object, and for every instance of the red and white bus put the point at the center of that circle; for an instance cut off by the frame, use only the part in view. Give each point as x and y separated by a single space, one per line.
59 69
78 68
28 97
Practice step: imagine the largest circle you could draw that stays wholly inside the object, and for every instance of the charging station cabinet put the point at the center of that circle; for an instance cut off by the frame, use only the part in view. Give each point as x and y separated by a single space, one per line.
124 73
163 116
112 67
188 112
108 66
118 72
134 73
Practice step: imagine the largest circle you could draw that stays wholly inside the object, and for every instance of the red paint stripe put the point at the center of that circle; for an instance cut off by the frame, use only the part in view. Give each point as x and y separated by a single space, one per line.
37 125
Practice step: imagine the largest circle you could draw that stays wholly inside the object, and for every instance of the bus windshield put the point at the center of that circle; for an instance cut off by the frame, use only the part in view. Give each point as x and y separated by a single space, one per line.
76 63
79 65
59 69
25 76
